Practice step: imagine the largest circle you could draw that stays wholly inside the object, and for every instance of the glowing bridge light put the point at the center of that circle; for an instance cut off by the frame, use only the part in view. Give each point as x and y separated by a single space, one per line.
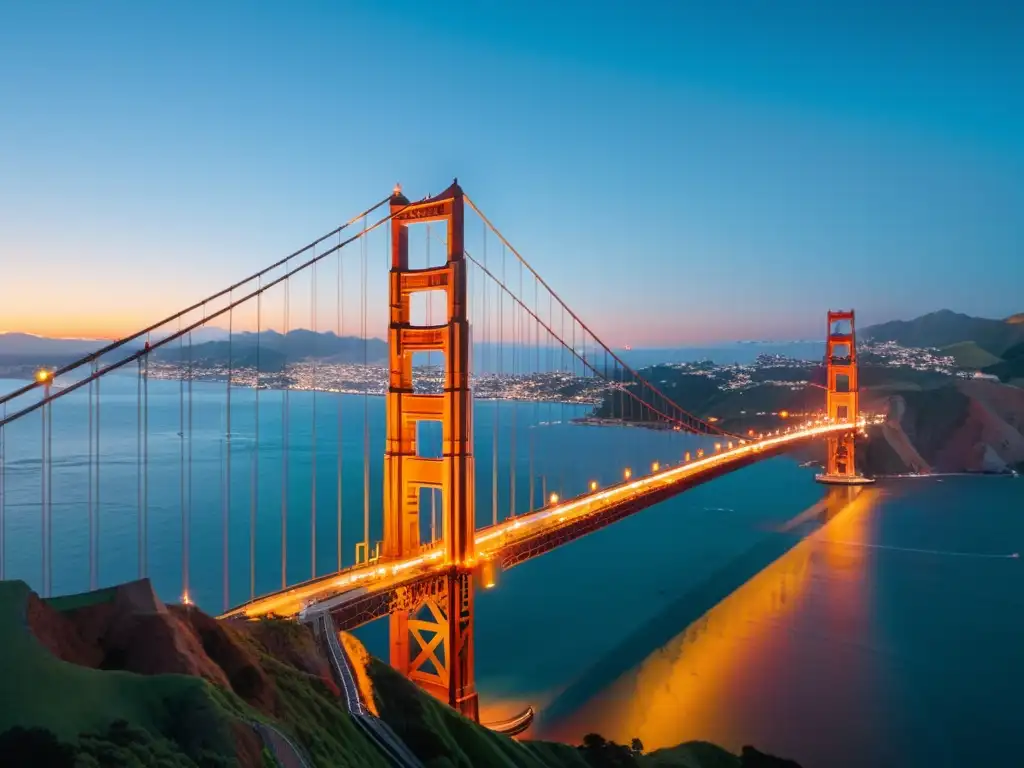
655 466
730 445
43 375
593 485
628 473
185 599
372 576
718 446
686 456
553 498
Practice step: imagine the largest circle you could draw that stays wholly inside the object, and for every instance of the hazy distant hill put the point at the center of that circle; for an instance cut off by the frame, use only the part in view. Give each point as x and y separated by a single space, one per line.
275 349
944 328
30 345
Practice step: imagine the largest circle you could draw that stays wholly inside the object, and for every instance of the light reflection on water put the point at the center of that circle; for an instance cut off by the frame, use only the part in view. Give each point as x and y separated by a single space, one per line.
678 693
808 659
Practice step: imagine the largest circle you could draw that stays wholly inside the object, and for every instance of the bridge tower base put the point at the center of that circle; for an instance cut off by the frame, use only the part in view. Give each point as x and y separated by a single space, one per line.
431 637
842 400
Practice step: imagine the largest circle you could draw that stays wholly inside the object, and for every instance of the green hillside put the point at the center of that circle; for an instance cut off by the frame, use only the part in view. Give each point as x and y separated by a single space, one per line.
969 355
70 701
1011 367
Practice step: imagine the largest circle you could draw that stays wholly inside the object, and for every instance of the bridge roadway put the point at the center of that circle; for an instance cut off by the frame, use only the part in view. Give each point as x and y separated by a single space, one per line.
364 592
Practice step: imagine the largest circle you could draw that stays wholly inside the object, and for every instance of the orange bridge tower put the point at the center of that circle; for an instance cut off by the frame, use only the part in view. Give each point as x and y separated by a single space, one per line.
842 398
432 632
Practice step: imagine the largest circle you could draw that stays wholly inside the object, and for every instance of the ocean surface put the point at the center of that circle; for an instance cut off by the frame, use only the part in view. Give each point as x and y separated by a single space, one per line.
840 629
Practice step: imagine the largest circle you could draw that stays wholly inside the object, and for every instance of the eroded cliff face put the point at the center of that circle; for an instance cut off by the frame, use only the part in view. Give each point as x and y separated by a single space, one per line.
973 426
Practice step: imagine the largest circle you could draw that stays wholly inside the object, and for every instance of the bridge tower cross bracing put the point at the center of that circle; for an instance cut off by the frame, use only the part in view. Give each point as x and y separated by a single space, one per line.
432 639
842 397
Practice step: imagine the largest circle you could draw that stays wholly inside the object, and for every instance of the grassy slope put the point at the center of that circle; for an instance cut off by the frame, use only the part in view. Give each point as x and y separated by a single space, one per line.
969 355
439 736
308 709
41 690
317 722
81 599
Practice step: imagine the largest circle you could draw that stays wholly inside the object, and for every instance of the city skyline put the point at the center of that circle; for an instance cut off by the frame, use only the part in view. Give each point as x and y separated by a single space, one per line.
158 159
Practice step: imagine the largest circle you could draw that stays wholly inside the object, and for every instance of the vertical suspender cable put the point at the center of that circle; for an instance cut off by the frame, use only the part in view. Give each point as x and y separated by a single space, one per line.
284 441
96 551
226 508
312 510
48 410
3 497
536 405
366 400
186 522
255 471
92 533
494 397
512 321
341 326
42 496
181 439
561 417
145 462
500 371
138 464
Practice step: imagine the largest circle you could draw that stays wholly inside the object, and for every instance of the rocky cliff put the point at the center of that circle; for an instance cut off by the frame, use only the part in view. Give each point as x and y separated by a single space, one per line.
972 426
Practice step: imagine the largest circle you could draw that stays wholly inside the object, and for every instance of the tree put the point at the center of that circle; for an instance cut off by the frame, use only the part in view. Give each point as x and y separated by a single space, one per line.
31 747
636 747
594 741
601 753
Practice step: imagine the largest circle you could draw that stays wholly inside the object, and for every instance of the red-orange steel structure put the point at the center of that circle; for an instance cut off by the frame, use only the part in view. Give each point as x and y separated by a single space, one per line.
842 398
432 632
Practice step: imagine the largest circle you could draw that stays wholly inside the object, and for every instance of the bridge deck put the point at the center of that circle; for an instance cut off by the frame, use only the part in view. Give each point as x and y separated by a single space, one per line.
365 592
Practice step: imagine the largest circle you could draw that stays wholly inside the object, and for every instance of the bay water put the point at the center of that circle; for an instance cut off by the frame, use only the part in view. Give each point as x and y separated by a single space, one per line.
877 628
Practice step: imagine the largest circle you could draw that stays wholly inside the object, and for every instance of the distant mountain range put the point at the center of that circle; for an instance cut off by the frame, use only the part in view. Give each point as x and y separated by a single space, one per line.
992 346
30 344
275 349
944 328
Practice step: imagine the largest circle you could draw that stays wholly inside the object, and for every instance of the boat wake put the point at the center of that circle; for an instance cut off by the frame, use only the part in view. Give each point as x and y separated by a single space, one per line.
944 553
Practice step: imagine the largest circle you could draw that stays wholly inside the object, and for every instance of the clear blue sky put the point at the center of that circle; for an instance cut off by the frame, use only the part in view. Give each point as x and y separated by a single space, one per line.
709 170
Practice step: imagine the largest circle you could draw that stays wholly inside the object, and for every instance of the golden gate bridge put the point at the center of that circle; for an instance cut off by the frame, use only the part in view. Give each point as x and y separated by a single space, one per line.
494 323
